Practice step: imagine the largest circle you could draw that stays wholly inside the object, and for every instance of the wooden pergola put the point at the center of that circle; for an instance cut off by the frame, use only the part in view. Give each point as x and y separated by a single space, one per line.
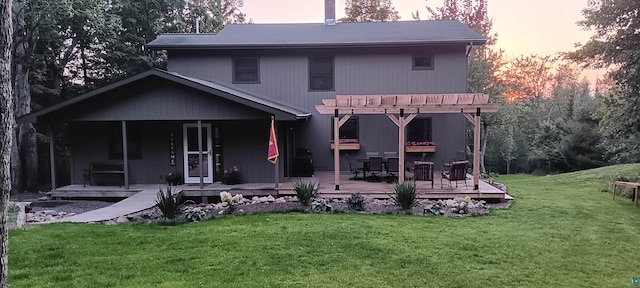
401 109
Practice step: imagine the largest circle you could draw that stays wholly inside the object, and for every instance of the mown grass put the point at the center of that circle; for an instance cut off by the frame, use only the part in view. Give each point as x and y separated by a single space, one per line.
561 231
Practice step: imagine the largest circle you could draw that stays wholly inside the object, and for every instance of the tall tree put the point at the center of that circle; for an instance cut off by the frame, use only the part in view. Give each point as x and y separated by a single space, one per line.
6 134
616 45
369 11
484 62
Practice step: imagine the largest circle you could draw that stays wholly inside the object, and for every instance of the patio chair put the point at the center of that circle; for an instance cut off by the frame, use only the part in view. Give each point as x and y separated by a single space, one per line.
461 155
388 155
423 171
372 154
457 172
393 166
375 165
354 170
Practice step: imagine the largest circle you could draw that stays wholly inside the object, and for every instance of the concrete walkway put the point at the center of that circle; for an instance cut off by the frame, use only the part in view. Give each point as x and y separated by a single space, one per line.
144 199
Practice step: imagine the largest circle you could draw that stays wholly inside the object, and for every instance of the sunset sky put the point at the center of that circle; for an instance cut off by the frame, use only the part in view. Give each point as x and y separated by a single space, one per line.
524 27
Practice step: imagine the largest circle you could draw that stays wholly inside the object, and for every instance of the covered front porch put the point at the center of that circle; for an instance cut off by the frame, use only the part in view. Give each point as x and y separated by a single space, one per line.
324 179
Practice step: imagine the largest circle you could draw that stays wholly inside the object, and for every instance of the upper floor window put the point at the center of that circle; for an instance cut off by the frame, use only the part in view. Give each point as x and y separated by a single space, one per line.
422 62
246 70
419 130
321 74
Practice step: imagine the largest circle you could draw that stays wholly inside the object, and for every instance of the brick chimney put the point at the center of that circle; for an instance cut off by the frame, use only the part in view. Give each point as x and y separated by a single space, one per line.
330 12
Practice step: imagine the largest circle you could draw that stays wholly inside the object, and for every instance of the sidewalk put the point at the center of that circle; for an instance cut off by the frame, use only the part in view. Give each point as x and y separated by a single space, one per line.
144 199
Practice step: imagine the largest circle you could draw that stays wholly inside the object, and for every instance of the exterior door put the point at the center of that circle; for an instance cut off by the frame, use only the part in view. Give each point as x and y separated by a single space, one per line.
192 156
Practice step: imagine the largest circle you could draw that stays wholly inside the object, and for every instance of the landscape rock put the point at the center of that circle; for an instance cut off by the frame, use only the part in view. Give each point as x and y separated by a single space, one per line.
122 219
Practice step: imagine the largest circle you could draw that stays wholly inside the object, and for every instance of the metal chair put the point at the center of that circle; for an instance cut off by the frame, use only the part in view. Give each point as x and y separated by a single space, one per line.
354 170
393 166
457 172
388 155
372 154
375 165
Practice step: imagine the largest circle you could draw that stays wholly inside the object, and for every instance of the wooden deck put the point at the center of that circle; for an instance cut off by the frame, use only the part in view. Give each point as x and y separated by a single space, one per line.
382 190
326 189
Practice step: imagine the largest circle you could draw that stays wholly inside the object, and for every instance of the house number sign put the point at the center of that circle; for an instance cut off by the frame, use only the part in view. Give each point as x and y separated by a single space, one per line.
172 150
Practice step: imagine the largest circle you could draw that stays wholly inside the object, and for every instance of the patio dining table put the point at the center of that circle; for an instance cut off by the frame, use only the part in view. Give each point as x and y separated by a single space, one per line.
365 165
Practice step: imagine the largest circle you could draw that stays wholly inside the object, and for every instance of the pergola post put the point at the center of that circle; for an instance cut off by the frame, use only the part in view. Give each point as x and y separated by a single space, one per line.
476 152
401 122
475 121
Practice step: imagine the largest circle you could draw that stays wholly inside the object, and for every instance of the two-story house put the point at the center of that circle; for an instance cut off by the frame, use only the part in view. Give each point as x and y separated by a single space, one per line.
214 104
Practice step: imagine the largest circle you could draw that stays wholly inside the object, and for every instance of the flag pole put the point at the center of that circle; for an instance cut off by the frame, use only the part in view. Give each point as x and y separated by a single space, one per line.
277 178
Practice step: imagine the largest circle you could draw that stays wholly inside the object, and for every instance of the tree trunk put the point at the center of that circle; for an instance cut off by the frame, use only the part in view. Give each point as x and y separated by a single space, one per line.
483 139
24 157
6 133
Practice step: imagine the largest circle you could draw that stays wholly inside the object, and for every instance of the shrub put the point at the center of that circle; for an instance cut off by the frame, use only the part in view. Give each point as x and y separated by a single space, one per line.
306 190
321 205
168 204
436 209
230 202
405 194
195 214
356 202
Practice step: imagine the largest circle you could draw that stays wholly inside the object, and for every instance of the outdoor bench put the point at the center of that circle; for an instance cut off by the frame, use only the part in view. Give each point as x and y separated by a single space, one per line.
632 185
105 173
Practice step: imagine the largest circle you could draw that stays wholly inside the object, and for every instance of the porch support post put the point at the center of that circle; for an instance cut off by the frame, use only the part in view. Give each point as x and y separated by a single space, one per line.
125 155
401 147
476 152
336 148
52 157
201 170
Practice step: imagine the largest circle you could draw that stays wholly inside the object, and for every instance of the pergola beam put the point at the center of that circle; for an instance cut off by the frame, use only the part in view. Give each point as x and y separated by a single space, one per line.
442 109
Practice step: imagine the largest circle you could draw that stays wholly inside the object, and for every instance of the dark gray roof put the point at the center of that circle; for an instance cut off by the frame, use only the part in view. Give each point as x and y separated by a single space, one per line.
320 35
282 111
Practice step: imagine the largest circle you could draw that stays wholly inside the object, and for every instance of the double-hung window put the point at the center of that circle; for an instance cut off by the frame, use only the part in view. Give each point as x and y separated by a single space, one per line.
246 70
321 74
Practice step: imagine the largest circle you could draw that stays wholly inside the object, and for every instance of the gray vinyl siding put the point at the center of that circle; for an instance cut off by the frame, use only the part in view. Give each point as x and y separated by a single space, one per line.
285 78
159 100
244 145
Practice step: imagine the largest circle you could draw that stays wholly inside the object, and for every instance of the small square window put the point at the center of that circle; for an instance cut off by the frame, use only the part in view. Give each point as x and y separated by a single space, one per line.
423 62
419 130
321 74
246 70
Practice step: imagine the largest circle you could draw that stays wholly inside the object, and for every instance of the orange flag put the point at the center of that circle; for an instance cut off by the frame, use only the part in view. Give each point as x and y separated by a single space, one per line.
273 145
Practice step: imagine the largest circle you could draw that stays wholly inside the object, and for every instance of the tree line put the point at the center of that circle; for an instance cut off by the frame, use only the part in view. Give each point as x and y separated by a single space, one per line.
63 48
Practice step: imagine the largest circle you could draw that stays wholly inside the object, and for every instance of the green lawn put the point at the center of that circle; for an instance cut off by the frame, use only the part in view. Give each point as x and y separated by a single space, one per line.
561 231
